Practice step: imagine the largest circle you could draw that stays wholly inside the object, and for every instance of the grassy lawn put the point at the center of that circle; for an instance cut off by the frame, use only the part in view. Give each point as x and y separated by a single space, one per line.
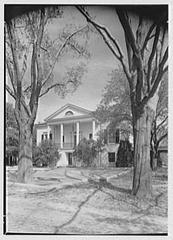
74 201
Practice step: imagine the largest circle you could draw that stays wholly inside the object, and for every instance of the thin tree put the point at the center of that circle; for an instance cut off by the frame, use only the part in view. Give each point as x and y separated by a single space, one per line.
147 54
31 56
12 136
159 131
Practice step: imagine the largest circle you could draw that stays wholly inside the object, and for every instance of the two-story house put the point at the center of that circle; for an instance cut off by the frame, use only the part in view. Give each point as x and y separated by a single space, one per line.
68 125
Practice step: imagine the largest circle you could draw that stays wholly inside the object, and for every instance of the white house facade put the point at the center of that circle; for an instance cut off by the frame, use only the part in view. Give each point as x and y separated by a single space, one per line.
66 127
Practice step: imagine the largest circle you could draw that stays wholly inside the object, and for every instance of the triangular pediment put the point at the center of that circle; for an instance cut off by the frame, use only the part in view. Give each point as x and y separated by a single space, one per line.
68 111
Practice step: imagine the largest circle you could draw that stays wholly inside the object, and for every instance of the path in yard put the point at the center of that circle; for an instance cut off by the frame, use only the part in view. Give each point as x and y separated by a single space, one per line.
62 201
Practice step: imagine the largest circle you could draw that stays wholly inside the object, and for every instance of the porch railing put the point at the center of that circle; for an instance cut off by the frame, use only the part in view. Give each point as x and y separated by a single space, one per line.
66 146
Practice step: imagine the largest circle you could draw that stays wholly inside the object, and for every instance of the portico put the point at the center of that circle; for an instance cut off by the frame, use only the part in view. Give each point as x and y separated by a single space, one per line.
68 135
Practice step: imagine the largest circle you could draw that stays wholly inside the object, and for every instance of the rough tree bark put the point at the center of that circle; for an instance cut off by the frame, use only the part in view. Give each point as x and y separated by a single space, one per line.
142 170
25 154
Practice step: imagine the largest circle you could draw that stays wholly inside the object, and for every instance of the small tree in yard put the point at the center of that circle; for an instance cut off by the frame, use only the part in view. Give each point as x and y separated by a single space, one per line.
86 151
147 53
12 136
160 124
46 154
31 56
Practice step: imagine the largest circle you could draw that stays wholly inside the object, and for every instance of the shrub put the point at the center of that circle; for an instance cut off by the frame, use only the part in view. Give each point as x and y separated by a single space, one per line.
86 151
46 154
125 154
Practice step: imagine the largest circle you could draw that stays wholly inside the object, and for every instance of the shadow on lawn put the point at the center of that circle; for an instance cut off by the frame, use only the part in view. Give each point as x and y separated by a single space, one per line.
108 185
57 229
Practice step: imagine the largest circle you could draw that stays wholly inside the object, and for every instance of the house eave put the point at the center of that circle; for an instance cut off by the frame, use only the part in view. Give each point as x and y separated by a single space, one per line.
71 119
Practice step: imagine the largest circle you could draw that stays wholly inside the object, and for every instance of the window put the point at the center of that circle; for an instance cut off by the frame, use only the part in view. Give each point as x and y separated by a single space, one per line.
44 136
68 113
50 136
111 157
63 139
111 137
90 136
117 136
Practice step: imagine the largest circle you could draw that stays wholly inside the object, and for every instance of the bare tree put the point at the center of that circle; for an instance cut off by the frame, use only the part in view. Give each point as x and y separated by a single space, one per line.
147 54
31 57
160 124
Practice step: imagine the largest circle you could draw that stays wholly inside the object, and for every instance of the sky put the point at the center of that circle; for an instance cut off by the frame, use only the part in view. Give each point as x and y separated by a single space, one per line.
100 64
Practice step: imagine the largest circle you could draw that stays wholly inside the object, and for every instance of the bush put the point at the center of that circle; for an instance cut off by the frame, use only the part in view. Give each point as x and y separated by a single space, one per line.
46 154
86 151
125 154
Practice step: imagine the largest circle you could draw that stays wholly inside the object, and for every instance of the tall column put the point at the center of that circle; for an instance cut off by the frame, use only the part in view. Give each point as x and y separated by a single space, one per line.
48 132
61 134
77 133
93 128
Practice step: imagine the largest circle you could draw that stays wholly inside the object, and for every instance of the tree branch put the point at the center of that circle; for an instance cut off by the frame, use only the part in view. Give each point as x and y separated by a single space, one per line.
160 124
139 32
147 38
158 78
137 58
162 43
154 48
9 90
127 30
160 73
108 39
13 48
33 77
52 86
161 138
10 72
59 53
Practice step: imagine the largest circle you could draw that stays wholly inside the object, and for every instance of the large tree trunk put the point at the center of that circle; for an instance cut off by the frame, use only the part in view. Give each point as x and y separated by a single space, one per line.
25 155
142 179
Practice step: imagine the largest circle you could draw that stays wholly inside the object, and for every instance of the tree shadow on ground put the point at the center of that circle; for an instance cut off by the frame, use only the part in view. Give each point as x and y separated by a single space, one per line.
57 229
103 183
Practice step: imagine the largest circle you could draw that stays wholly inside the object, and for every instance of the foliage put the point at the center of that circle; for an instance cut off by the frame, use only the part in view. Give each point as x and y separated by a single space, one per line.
86 151
115 107
115 103
124 154
12 133
46 154
101 141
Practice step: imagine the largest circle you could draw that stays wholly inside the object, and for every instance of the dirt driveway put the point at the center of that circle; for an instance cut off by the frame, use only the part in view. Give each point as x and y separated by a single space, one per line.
76 201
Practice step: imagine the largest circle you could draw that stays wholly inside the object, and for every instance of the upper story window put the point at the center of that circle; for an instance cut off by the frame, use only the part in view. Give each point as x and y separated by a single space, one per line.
44 136
68 113
113 136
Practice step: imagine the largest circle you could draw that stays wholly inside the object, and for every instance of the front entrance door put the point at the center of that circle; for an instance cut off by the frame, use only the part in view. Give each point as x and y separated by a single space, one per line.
70 159
111 159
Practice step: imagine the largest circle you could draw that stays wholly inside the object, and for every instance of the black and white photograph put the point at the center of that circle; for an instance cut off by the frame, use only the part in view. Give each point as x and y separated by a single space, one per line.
86 119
